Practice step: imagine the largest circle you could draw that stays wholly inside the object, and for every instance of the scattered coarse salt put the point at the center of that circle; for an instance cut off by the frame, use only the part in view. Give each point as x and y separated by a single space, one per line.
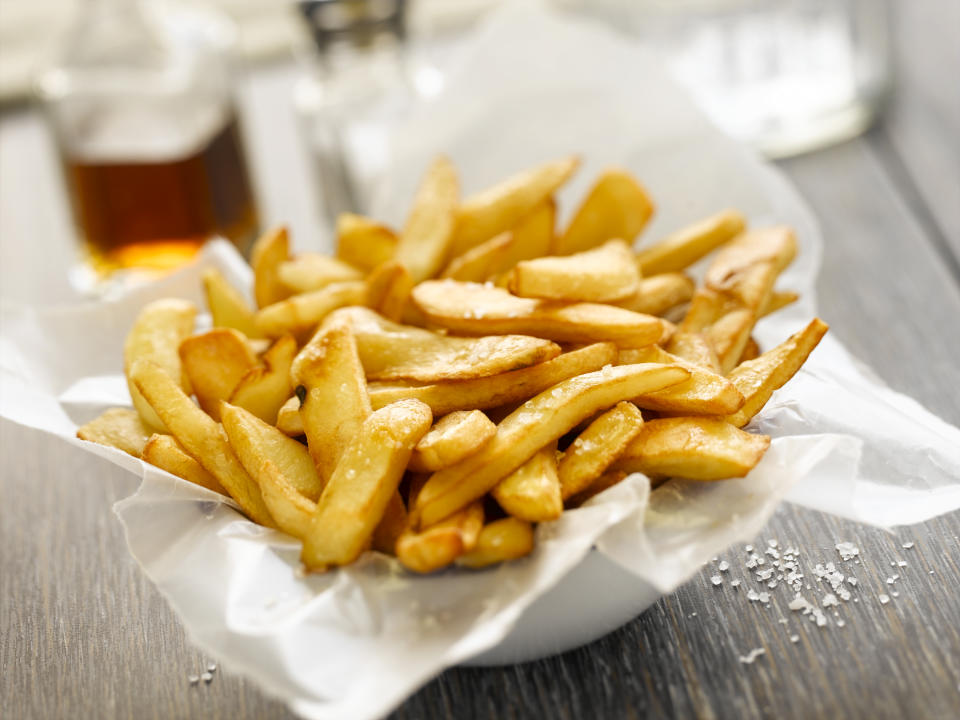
752 595
799 603
194 679
840 623
794 638
847 550
207 677
852 580
829 600
212 667
884 599
716 580
752 655
735 582
748 548
907 545
723 566
901 563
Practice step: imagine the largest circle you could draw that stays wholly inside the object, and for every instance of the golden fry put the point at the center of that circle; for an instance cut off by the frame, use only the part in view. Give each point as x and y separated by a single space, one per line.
684 247
215 362
603 274
118 428
595 449
425 241
453 437
271 249
499 541
532 491
164 452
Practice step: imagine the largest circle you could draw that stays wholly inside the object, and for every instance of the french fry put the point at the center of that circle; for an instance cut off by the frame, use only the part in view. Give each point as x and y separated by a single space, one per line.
684 247
364 243
215 362
693 448
758 378
292 511
616 207
537 422
604 274
499 390
704 393
289 421
729 336
200 436
254 442
118 428
438 546
607 480
164 452
367 475
388 289
389 351
531 238
270 249
695 349
499 541
228 308
426 238
314 271
750 351
474 309
659 293
532 491
452 438
300 314
595 449
777 301
265 388
776 245
330 370
501 207
155 336
391 526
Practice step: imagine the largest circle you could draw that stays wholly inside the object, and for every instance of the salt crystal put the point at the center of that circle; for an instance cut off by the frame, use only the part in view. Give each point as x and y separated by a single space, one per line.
840 623
829 600
212 667
847 550
930 573
716 580
772 543
194 679
901 563
735 583
752 655
907 545
895 593
889 581
752 595
723 566
764 597
852 580
884 599
798 603
794 638
821 618
206 677
748 548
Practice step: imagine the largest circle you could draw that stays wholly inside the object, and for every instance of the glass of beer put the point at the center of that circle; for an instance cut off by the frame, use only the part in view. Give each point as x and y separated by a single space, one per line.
143 116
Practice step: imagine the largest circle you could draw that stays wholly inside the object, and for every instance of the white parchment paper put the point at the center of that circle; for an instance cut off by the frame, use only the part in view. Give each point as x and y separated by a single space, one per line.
354 643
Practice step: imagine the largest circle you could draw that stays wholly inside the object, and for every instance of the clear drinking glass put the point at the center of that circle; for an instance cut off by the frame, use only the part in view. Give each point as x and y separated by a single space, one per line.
787 75
142 112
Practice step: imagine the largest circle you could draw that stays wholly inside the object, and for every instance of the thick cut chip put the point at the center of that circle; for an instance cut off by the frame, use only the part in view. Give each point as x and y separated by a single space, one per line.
778 299
498 390
532 491
268 252
695 349
388 289
289 421
164 452
607 480
254 441
200 436
729 336
314 271
292 511
758 378
616 207
499 541
531 238
704 393
438 546
300 314
335 405
216 361
693 448
367 475
155 336
228 308
391 526
659 293
604 274
774 245
264 389
425 241
451 439
750 351
390 351
119 428
474 309
595 449
501 207
539 421
362 242
684 247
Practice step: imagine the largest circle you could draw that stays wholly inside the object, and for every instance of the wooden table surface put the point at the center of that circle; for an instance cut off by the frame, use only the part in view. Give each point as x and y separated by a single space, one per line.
84 634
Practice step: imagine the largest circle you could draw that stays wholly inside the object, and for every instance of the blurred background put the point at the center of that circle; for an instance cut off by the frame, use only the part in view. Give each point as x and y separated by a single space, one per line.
135 130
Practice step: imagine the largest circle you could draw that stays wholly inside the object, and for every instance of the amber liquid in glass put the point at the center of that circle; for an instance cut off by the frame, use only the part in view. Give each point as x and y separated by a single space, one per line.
155 215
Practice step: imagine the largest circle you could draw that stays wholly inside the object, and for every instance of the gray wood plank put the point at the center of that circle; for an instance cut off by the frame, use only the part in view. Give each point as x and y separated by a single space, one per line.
922 122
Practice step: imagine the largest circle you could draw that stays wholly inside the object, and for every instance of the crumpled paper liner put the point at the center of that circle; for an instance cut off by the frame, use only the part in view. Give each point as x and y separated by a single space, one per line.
354 643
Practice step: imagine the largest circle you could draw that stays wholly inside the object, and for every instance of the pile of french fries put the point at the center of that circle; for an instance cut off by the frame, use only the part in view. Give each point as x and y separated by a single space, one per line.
434 393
